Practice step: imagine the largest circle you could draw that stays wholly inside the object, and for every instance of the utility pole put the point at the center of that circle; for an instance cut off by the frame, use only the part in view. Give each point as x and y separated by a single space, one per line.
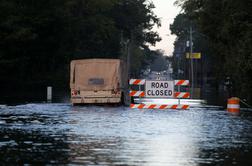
191 59
125 51
129 49
128 45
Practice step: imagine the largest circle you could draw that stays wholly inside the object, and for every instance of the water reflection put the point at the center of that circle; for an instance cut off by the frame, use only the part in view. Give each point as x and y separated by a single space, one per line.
61 134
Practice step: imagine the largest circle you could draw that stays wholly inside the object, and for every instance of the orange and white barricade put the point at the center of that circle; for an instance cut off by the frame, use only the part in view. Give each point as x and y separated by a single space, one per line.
181 95
141 94
233 105
137 81
182 82
156 106
137 93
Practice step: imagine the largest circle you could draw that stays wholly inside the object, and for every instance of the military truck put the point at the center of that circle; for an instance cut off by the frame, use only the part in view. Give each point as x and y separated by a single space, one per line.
97 81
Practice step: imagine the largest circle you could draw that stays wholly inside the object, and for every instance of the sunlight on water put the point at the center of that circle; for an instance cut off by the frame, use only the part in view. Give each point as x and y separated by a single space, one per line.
60 133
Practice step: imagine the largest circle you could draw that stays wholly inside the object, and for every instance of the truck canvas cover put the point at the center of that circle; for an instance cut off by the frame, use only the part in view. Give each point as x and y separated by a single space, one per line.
95 74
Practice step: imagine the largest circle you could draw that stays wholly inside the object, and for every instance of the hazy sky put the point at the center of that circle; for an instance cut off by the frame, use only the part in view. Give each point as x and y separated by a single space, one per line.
167 12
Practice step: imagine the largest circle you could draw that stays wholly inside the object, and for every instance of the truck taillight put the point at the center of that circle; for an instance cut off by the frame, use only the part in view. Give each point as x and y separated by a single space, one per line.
75 92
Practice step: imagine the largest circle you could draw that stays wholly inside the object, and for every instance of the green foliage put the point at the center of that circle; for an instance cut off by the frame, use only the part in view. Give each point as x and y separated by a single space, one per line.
38 38
137 17
144 57
160 62
180 26
228 26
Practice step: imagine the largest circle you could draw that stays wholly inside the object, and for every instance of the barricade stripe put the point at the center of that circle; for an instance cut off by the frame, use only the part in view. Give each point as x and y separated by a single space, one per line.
179 82
162 106
132 105
184 107
181 94
154 106
137 82
182 82
187 95
132 81
233 101
137 93
141 106
237 106
132 93
186 83
174 107
176 94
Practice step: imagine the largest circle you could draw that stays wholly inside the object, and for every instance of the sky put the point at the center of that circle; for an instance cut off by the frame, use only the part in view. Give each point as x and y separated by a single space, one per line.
166 11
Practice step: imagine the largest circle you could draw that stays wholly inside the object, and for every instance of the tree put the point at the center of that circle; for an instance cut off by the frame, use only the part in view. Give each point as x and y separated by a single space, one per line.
39 38
228 27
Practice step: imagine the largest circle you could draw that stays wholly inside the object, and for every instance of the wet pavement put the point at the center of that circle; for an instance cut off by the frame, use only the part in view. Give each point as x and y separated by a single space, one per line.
62 134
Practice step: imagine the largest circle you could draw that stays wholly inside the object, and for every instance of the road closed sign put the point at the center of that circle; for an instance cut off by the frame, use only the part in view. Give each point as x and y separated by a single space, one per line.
159 89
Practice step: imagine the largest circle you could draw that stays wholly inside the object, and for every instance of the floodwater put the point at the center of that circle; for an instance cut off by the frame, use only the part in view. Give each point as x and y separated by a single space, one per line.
62 134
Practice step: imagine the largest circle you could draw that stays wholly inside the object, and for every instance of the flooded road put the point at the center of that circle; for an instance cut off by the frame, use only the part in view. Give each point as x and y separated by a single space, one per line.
62 134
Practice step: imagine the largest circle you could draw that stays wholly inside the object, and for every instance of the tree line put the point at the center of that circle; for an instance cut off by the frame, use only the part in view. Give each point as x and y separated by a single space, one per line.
38 38
226 28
